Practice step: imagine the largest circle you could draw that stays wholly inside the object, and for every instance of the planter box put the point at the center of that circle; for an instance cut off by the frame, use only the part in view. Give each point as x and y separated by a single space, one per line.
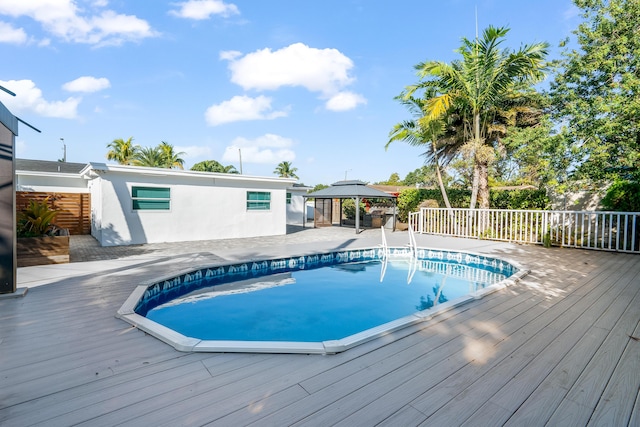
42 250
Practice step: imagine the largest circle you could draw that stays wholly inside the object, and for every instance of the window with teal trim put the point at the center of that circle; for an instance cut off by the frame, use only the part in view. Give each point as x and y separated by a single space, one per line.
258 200
288 198
151 198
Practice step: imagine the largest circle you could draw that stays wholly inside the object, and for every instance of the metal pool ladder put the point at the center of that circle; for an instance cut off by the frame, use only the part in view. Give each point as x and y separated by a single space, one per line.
385 246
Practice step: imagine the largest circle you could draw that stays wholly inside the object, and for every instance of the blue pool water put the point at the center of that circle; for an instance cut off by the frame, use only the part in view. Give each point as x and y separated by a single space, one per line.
305 302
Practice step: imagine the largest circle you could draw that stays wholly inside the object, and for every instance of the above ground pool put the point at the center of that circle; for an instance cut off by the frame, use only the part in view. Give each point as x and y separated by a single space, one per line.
320 303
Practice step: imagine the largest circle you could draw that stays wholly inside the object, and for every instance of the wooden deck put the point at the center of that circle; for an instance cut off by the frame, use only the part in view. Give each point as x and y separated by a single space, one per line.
555 349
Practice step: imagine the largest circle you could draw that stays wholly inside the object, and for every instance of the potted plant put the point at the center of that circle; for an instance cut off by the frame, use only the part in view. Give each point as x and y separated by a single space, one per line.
39 240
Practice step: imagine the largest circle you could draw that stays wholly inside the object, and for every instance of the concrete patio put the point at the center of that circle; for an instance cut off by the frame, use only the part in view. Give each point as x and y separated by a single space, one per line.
558 348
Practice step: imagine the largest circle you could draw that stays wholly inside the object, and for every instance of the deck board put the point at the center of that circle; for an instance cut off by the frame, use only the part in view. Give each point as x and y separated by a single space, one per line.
553 348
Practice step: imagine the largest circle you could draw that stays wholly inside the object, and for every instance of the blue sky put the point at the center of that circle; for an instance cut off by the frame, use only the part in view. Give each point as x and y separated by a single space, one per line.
310 82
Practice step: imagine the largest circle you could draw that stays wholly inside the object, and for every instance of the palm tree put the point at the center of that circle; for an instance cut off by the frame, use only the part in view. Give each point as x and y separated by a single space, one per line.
150 157
171 158
422 132
478 87
229 169
213 166
122 151
284 170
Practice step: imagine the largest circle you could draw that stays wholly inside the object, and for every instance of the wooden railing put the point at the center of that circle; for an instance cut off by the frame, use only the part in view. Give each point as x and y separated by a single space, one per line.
601 230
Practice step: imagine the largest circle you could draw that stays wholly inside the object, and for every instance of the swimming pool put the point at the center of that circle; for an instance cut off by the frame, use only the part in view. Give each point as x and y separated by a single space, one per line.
319 303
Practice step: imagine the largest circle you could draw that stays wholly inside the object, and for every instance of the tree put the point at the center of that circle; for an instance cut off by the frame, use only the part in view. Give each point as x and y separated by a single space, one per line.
122 151
425 176
422 131
318 187
285 170
537 155
171 159
486 87
213 166
149 157
597 94
394 179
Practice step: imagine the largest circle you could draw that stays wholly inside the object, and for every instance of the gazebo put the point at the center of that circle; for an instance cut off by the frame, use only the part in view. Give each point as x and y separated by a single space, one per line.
352 189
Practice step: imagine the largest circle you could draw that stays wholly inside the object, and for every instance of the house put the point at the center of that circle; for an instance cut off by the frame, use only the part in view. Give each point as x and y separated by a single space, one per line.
125 205
135 205
49 177
296 204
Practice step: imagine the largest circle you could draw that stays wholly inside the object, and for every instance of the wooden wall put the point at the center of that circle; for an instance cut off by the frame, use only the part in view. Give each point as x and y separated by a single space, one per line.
74 208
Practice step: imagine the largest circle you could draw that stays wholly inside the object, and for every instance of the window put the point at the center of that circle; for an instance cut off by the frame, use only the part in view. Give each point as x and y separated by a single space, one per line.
258 201
151 198
288 198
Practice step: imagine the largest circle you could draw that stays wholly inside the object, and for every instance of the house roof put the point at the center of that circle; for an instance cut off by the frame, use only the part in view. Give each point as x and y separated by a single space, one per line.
94 169
48 166
348 189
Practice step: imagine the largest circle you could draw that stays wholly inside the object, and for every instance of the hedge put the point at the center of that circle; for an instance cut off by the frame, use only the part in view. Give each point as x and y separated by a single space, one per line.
409 200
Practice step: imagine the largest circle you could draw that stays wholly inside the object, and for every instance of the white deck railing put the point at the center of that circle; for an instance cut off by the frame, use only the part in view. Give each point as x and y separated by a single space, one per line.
608 231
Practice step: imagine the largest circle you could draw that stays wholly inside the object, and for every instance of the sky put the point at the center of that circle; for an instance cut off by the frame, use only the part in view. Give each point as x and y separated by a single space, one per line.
309 82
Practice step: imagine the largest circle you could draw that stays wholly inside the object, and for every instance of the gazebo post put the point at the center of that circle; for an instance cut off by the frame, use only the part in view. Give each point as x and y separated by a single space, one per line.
357 214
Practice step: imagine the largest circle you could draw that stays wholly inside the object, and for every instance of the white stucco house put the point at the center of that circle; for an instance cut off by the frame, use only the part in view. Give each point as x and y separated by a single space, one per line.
135 205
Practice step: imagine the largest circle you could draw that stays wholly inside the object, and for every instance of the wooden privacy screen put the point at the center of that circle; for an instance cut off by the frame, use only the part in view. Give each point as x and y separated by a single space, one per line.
74 209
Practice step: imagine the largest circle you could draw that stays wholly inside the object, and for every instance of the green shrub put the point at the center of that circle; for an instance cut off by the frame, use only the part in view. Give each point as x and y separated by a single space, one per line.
518 199
622 196
36 219
349 208
409 200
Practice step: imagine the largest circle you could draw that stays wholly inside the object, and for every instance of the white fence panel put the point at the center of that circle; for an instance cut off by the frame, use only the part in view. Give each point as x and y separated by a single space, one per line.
601 230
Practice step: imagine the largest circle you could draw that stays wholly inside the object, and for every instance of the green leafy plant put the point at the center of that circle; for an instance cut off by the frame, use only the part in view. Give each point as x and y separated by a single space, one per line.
36 219
622 196
349 208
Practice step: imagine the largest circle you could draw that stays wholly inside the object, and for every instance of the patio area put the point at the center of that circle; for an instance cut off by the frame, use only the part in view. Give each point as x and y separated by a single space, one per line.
559 348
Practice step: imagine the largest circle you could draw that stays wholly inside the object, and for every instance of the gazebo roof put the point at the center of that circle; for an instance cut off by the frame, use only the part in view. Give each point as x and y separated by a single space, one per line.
347 189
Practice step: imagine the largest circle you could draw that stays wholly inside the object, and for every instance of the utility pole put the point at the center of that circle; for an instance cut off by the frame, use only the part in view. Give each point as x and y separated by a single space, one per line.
64 150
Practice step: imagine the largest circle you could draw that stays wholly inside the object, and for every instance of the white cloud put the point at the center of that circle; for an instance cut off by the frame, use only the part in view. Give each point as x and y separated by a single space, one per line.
230 55
203 9
29 98
65 20
87 84
193 151
242 108
318 70
267 149
325 71
9 34
344 101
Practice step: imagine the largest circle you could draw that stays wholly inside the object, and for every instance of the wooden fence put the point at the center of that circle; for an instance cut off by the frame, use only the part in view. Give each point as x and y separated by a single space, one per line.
74 208
608 231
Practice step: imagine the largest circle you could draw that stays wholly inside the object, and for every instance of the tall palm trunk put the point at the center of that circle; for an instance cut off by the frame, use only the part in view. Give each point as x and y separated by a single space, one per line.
475 183
483 184
439 177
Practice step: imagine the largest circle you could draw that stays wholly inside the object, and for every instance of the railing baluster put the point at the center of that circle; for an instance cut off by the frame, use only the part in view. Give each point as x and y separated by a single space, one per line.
624 235
633 234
